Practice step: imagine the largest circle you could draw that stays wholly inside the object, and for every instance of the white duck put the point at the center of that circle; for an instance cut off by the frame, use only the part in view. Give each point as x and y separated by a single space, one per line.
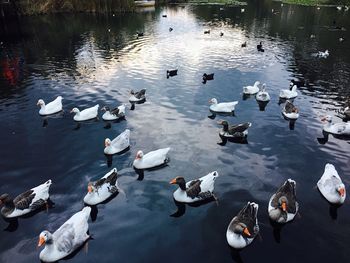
119 144
50 108
289 94
290 111
137 96
26 202
263 95
114 114
223 106
102 189
244 227
324 54
250 90
283 205
195 190
331 185
87 114
151 159
342 128
65 240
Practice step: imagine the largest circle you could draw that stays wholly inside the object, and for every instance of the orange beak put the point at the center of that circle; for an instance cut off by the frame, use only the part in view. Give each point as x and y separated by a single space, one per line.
41 241
137 157
246 232
342 192
71 111
89 188
284 206
209 101
173 181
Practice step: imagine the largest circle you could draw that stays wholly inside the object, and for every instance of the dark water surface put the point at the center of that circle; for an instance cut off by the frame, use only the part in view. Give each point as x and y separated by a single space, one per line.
76 56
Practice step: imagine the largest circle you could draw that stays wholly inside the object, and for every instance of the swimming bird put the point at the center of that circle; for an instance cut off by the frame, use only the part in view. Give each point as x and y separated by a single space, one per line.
242 10
207 77
113 114
207 31
195 190
119 144
250 90
151 159
335 128
102 189
86 114
164 16
283 205
223 106
263 95
171 73
289 94
50 108
234 131
221 34
341 39
324 54
260 48
26 202
331 185
345 113
244 227
298 83
339 8
140 34
244 44
137 96
170 29
65 240
290 111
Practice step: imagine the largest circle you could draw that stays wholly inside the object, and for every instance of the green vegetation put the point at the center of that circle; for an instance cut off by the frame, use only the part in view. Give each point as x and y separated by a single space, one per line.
318 2
221 2
53 6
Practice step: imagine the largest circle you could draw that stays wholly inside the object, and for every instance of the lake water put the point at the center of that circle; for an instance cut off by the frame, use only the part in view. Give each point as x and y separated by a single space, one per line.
91 59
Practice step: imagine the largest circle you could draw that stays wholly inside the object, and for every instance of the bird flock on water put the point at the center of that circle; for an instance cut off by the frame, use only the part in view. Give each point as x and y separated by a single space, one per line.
243 228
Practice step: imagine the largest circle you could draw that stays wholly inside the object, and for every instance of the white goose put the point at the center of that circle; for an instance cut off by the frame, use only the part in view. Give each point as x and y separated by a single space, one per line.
50 108
322 54
263 95
102 189
137 96
290 111
283 205
119 144
331 185
195 190
244 227
289 94
151 159
250 90
342 128
87 114
26 202
114 114
65 240
223 106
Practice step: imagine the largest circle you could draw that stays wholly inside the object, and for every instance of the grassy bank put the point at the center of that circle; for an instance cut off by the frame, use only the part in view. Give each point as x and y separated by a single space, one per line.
30 7
222 2
318 2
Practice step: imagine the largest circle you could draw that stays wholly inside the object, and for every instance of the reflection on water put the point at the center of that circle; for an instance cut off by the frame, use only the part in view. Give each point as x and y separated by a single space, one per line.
90 59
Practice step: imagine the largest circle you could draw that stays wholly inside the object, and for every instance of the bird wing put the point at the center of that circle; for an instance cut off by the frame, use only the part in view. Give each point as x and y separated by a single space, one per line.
140 94
115 111
194 188
239 127
287 190
289 107
24 200
247 216
64 238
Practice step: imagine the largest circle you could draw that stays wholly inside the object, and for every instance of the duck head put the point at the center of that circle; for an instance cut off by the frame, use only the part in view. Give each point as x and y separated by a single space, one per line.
105 108
75 110
327 118
40 103
90 188
224 124
213 101
180 181
132 92
139 155
257 84
107 142
45 237
283 203
242 229
4 198
341 190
